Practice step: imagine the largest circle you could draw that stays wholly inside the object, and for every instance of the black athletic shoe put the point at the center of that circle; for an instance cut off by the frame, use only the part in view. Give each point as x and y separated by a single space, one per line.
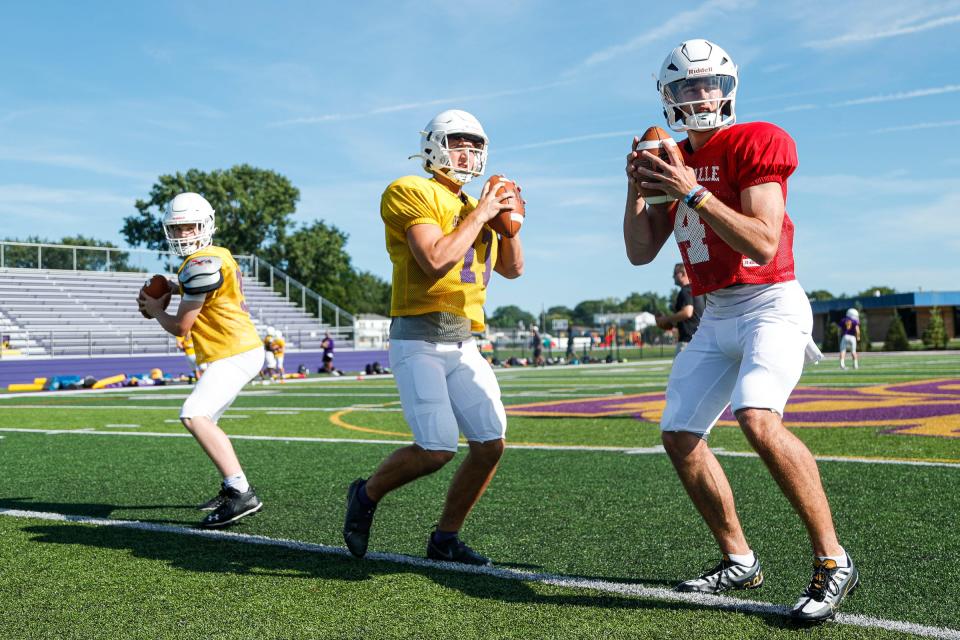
725 576
235 505
356 523
213 503
455 551
828 587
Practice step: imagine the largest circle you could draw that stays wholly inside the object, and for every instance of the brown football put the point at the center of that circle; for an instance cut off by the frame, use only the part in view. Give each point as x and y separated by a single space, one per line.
507 223
156 287
653 140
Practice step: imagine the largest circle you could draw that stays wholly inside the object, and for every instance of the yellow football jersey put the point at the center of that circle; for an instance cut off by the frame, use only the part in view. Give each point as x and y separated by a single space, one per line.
224 327
462 290
278 346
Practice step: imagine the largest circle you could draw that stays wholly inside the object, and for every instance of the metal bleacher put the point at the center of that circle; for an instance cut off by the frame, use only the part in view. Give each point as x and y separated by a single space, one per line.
64 313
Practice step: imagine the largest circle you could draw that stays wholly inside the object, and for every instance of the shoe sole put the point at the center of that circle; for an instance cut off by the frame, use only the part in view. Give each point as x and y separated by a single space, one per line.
248 512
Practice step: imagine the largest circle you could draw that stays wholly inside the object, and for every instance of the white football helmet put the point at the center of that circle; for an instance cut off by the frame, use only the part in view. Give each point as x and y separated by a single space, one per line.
696 73
853 313
189 208
435 150
278 335
271 331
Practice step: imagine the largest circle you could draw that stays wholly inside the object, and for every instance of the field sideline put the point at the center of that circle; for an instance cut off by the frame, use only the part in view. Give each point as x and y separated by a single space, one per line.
586 520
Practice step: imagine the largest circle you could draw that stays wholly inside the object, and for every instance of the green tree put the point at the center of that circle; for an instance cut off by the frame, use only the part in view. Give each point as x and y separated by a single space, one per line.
935 335
896 335
253 208
865 344
62 258
831 338
507 317
820 294
872 291
583 313
367 293
648 301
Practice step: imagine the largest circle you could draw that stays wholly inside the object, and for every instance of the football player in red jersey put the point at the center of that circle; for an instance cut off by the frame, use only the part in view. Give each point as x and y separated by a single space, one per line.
736 241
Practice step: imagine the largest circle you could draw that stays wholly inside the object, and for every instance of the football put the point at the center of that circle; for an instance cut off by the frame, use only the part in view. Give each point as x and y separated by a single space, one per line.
653 140
156 287
507 223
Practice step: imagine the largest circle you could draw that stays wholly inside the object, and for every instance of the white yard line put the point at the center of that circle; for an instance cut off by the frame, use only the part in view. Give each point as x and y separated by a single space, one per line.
724 603
656 450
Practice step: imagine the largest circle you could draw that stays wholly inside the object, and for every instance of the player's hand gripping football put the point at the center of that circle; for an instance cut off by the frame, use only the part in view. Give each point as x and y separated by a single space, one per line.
490 204
151 307
674 178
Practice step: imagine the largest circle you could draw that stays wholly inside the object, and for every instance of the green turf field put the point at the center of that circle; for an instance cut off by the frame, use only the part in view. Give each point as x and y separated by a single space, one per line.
588 527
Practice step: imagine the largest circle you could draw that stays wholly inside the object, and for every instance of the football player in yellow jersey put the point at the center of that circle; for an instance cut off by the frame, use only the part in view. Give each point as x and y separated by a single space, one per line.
185 344
279 345
213 311
443 253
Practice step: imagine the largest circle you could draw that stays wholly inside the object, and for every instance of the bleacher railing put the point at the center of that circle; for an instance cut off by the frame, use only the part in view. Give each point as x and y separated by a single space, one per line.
44 256
341 322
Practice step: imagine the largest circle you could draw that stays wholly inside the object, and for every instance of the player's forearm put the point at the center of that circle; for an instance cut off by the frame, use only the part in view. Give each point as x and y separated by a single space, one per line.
644 229
171 324
510 258
755 238
449 250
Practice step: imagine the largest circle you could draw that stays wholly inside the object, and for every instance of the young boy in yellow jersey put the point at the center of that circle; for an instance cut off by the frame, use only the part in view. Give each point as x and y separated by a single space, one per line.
279 348
443 253
213 311
185 344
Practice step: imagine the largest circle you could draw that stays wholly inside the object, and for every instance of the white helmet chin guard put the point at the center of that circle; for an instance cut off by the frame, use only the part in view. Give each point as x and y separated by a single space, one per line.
189 208
435 148
698 87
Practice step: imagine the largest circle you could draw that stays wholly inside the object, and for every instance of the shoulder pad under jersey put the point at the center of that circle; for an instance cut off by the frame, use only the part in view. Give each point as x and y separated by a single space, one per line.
202 274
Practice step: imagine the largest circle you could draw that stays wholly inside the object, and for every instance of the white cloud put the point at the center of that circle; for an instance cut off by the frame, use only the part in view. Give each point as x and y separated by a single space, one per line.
869 36
918 125
73 161
680 23
583 138
903 95
407 106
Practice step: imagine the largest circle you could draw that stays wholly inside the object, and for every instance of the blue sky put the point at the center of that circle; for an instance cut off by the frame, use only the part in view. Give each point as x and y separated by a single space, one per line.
98 99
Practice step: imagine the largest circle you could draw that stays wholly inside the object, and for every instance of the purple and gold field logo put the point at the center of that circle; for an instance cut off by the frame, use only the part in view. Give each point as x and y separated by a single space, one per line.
924 408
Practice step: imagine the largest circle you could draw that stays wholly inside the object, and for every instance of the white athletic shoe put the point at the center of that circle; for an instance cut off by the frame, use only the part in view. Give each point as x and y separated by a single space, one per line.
725 576
828 587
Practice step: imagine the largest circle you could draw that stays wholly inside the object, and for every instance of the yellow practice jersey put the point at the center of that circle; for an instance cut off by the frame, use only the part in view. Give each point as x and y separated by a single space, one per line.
462 291
224 327
278 346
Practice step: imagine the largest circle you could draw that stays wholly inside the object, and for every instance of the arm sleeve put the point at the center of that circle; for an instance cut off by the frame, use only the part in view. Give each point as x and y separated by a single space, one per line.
403 206
766 154
201 275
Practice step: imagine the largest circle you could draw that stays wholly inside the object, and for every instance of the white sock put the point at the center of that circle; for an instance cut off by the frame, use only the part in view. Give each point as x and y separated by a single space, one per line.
841 559
745 559
237 481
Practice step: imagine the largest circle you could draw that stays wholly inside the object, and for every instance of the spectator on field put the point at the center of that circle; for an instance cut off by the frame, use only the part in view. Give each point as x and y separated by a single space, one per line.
536 344
687 310
327 346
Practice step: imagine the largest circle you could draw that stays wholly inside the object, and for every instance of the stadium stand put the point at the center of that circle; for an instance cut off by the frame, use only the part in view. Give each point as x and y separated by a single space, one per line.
93 313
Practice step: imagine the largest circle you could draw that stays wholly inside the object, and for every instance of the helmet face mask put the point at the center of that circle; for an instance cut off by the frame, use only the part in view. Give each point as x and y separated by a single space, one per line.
460 134
698 87
184 210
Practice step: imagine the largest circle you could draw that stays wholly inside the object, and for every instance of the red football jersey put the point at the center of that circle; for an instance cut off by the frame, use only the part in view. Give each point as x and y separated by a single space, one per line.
735 158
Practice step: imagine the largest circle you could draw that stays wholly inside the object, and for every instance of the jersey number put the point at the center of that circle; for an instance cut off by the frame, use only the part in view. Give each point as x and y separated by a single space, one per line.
467 276
688 228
